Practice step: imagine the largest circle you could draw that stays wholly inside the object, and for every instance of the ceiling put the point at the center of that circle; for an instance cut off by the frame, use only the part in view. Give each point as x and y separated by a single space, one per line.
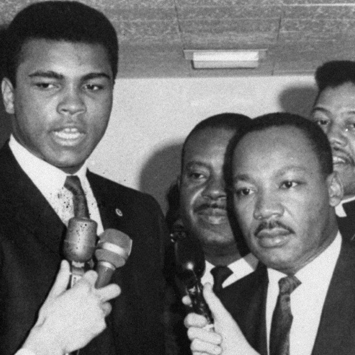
298 35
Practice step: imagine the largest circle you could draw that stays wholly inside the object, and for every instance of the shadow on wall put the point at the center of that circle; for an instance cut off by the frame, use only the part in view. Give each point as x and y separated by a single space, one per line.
160 171
5 123
298 99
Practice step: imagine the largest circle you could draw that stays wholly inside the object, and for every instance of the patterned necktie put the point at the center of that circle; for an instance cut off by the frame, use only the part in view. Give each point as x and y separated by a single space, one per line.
73 184
220 274
282 317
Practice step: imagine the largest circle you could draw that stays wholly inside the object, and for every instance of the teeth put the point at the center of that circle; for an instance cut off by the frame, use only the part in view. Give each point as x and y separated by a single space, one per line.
337 160
68 133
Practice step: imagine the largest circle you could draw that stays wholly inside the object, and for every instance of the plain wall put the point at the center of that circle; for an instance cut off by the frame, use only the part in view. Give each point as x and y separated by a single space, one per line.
151 118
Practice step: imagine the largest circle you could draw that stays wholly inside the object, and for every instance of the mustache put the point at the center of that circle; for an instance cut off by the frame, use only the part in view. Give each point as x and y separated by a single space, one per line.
269 225
208 205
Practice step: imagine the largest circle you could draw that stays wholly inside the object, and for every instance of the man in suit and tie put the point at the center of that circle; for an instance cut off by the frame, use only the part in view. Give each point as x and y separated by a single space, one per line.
301 298
203 206
61 64
334 111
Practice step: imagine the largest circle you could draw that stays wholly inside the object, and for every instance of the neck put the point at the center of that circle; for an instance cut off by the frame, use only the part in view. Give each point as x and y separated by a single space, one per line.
216 256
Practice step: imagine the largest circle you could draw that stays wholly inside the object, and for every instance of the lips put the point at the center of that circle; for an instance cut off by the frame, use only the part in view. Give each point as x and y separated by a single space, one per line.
275 237
213 215
68 135
341 157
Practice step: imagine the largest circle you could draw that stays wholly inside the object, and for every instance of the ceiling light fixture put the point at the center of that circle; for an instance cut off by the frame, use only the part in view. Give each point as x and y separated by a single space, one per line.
225 59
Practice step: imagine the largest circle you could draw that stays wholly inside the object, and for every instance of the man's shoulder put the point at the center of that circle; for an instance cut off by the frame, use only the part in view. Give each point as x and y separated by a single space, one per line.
111 186
128 198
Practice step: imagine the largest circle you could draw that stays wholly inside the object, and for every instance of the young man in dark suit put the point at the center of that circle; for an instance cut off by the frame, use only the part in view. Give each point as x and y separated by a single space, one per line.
334 112
301 299
60 71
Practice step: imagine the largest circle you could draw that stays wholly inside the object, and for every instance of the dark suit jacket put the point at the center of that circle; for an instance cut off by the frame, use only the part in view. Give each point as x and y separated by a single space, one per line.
31 236
246 300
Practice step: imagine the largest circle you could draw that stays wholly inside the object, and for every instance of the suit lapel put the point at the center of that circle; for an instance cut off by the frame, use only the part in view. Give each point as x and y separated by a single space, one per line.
246 301
28 208
338 311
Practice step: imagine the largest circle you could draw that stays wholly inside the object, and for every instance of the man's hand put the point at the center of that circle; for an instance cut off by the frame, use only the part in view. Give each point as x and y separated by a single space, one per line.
226 339
69 319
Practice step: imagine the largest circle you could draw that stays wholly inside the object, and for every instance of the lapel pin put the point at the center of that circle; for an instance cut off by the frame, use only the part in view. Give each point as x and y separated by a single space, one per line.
119 212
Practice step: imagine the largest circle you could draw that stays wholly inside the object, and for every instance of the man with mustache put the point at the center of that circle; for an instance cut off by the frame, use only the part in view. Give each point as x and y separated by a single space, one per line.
334 111
203 197
300 301
203 205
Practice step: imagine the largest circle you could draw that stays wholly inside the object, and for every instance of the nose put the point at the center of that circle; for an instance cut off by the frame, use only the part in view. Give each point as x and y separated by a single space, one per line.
336 134
267 206
72 102
215 188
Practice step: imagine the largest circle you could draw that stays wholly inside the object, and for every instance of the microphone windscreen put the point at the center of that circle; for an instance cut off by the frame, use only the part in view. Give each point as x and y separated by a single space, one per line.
114 247
189 259
80 239
112 252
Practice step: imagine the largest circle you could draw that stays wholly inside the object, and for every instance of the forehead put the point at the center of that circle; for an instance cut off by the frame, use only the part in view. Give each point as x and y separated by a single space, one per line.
41 54
275 150
339 97
207 144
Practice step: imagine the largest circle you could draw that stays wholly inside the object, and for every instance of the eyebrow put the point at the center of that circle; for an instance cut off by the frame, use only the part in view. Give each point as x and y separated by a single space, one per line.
285 170
53 75
191 164
324 110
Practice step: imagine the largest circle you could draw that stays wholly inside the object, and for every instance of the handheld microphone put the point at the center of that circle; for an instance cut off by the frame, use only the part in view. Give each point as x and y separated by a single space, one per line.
79 245
112 252
190 266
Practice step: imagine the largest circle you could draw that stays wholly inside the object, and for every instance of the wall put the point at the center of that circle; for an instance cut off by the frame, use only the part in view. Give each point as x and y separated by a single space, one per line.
151 118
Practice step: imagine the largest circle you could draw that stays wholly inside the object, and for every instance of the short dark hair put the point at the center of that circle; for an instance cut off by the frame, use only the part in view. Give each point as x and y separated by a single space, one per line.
315 135
69 21
335 73
228 121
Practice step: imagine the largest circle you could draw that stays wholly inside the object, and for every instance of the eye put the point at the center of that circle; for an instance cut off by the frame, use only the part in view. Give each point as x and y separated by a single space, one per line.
350 127
243 192
289 184
195 176
44 86
321 122
93 87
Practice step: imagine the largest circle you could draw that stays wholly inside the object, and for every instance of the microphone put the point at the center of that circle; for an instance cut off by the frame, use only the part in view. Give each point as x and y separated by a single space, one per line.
79 245
190 266
112 251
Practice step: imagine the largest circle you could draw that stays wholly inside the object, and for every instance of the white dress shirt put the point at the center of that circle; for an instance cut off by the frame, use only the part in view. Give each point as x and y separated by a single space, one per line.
50 182
339 209
307 300
240 268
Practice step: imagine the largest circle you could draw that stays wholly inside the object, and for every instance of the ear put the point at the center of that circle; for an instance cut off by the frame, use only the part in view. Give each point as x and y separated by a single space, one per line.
335 189
8 95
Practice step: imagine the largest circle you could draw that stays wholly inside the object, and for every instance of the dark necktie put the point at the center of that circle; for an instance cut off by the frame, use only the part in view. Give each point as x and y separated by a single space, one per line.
73 184
220 274
347 224
282 317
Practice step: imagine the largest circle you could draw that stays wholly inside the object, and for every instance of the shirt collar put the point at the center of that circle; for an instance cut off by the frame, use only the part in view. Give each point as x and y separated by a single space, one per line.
323 266
339 209
248 261
45 176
